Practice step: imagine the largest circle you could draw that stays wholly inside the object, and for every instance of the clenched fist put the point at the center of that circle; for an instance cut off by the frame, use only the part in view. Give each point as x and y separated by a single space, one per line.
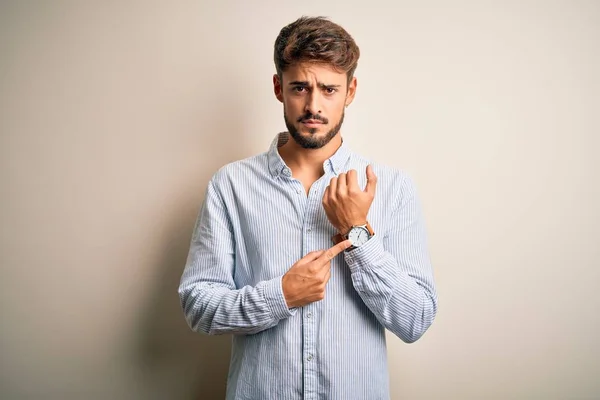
345 204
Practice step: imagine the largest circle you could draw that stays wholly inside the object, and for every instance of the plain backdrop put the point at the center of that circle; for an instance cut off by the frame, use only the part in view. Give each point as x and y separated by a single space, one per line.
114 115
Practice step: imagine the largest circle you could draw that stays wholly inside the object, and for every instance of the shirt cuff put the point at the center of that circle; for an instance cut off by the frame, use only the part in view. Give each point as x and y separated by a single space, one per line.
363 256
273 294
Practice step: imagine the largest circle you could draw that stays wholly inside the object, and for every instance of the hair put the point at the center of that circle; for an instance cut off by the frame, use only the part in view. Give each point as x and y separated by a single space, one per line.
316 40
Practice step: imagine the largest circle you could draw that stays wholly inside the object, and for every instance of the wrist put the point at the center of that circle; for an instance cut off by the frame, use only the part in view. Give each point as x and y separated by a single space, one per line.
344 229
274 295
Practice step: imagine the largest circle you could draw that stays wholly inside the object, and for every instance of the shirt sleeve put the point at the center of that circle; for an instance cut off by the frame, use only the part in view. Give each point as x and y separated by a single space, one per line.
209 298
393 274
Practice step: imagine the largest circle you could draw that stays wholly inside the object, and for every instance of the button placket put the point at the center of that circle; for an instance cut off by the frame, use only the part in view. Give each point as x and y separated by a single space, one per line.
309 327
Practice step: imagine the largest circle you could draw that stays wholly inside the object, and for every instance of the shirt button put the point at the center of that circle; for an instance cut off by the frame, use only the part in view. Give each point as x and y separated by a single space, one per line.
309 315
309 229
309 358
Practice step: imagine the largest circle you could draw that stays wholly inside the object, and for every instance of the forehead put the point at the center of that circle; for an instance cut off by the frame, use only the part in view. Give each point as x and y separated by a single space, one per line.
313 73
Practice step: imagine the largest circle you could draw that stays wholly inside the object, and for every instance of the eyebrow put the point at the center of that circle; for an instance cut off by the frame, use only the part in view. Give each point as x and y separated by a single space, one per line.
319 84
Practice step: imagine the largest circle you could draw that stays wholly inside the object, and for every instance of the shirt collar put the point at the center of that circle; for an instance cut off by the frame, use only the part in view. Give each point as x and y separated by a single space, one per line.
277 166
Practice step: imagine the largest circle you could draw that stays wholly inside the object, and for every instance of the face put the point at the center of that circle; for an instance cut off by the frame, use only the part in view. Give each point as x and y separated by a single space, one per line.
314 97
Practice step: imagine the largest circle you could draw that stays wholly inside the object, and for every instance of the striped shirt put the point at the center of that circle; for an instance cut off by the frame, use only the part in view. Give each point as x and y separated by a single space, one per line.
256 221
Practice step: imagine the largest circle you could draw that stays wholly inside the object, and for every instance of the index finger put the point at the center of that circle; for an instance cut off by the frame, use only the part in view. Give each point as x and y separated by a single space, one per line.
312 256
334 251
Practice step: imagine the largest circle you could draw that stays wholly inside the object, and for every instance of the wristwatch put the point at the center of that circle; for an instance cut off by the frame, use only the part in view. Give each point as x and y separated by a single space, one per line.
358 235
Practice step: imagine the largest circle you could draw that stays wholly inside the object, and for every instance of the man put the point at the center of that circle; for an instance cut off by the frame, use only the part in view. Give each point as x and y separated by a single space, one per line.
308 316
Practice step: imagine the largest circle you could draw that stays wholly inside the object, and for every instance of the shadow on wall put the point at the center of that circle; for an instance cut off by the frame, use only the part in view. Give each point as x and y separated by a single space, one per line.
174 361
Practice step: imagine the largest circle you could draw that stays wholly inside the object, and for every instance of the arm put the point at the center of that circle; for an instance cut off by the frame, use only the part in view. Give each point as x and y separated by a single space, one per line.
393 273
210 300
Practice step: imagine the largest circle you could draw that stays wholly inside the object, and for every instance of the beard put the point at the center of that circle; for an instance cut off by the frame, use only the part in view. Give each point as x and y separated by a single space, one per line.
312 141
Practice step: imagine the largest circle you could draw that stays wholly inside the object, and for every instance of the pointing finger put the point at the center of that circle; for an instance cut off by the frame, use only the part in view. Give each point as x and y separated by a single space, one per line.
312 256
334 251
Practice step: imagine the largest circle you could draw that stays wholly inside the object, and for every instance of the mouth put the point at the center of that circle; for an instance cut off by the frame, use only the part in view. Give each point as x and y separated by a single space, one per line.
312 123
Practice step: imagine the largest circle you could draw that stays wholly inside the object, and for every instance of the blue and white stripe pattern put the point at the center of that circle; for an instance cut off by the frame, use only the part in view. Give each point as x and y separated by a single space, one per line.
255 223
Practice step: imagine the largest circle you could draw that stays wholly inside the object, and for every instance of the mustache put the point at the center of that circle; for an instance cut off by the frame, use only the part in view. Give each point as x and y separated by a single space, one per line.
316 117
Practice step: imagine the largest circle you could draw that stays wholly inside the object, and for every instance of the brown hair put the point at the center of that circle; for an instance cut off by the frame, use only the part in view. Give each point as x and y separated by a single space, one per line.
316 39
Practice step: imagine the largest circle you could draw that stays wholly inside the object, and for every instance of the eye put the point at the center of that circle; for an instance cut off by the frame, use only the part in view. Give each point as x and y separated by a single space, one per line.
299 89
330 90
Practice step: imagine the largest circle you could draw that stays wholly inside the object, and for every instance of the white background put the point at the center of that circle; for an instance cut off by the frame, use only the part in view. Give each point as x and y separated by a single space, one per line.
114 115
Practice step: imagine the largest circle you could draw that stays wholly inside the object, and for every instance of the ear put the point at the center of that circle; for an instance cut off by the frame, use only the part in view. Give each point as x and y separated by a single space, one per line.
277 88
351 91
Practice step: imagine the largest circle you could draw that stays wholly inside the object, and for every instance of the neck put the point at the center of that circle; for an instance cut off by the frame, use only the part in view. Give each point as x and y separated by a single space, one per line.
304 160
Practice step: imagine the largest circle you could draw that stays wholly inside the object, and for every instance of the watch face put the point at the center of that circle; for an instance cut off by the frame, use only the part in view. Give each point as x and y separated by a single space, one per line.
358 236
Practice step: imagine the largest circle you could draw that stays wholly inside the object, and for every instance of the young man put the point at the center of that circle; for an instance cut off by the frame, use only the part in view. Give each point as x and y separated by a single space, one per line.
309 316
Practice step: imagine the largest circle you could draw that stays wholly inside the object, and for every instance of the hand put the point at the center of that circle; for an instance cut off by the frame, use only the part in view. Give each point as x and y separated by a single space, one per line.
345 204
305 282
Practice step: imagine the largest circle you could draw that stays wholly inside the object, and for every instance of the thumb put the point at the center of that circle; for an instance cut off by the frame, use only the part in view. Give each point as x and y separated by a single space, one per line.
371 180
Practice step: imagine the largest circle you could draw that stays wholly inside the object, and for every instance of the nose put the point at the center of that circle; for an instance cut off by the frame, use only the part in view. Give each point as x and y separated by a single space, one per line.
313 103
